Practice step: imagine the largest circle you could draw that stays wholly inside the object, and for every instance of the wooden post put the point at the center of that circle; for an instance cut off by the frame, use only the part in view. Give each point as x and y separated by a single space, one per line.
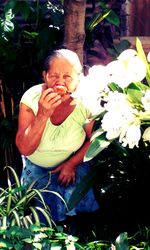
74 21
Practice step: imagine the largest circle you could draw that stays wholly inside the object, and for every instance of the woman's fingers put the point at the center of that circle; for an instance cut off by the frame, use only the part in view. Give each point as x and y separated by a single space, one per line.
48 102
66 179
56 170
66 176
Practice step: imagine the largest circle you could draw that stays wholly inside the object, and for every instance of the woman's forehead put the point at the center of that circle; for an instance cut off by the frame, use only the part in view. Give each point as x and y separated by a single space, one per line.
61 64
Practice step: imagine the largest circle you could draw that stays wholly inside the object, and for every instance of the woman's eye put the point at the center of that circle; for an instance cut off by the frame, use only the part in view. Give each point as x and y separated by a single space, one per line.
53 77
68 78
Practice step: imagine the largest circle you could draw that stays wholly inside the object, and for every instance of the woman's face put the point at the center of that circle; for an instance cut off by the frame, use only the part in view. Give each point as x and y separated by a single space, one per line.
61 73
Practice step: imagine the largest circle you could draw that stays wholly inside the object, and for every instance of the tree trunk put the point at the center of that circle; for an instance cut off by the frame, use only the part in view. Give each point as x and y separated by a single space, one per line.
74 20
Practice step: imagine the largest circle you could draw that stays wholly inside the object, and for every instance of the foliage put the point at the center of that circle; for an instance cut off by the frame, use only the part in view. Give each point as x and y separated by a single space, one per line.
35 237
122 242
20 222
120 163
20 226
126 98
105 13
28 31
17 204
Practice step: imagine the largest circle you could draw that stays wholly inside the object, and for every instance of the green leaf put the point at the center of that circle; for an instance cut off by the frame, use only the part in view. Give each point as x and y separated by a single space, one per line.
23 8
5 244
115 87
142 55
35 215
26 222
37 246
1 200
17 181
138 86
97 133
140 50
46 215
97 145
118 48
29 220
82 188
134 95
122 242
97 19
28 240
17 218
30 35
55 193
113 18
34 192
56 246
6 23
135 92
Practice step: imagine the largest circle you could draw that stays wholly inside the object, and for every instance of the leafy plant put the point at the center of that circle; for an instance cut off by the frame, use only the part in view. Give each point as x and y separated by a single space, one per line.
28 31
119 170
36 237
20 223
17 205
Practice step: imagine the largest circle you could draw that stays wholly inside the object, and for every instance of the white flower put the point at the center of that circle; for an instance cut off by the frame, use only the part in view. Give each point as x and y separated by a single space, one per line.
117 123
119 118
146 100
146 134
137 69
88 92
111 123
148 57
132 137
126 107
118 74
98 77
70 242
116 101
127 69
127 54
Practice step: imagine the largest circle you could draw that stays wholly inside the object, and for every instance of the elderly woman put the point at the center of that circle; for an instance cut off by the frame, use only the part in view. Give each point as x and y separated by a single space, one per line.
53 136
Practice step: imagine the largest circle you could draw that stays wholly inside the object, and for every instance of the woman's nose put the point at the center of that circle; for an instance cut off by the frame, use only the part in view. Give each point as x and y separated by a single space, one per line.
61 80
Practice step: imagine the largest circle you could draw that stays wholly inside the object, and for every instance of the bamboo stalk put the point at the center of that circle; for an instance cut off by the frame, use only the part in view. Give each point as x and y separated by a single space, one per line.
2 98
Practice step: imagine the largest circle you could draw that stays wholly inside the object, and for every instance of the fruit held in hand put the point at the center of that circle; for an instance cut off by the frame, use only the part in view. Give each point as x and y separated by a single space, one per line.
61 90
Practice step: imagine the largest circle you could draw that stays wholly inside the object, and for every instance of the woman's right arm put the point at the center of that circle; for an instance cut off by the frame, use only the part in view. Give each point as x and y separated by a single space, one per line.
30 130
30 126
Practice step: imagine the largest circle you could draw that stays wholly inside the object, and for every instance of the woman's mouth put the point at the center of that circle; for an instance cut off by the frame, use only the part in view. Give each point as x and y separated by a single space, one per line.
61 90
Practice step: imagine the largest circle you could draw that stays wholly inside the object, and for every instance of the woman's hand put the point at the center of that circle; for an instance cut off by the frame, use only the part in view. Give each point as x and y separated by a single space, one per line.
66 173
48 102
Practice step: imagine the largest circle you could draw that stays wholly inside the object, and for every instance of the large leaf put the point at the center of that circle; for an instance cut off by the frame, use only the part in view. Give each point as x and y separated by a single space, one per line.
46 215
139 86
97 145
97 133
122 242
142 55
16 178
134 95
97 19
82 188
6 25
135 91
113 18
115 87
5 244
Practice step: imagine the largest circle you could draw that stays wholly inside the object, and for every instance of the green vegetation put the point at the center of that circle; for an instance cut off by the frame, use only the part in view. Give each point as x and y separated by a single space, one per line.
120 176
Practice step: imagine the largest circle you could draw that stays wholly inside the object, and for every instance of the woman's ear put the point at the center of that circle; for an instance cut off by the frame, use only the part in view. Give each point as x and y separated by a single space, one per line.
44 76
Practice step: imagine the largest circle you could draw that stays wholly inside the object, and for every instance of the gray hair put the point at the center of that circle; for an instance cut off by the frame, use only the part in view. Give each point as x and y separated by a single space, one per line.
69 55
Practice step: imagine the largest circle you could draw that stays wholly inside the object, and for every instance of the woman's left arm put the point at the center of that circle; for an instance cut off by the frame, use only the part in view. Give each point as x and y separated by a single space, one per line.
67 169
